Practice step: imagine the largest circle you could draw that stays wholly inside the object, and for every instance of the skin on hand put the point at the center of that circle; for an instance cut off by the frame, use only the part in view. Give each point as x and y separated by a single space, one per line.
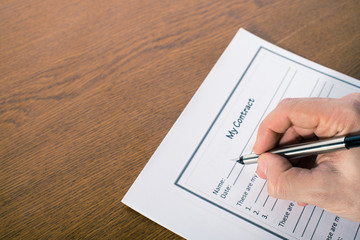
333 183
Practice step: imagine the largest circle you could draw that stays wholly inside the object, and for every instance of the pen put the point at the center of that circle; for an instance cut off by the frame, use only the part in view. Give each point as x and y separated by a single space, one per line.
308 148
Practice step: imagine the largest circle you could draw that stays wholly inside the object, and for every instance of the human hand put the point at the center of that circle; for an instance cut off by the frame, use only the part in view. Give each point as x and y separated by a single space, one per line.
333 183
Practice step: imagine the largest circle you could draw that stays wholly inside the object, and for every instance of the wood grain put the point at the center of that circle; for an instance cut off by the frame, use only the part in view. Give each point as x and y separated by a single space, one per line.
88 89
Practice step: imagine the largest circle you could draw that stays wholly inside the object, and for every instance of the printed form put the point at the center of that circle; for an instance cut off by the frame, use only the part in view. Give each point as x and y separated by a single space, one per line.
190 185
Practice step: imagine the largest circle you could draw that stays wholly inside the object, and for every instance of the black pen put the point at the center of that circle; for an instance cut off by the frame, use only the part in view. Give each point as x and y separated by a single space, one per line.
308 148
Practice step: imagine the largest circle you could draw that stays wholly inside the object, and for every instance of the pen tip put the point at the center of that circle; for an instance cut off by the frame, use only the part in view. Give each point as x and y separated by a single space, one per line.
238 160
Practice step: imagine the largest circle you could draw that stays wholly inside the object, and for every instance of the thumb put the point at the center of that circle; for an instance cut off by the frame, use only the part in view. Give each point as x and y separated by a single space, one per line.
285 181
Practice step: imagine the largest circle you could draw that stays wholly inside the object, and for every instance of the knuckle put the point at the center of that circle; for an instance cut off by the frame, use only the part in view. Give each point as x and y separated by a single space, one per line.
354 103
353 114
286 102
355 97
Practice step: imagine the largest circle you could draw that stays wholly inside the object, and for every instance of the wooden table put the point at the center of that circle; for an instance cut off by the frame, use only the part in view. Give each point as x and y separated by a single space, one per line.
88 89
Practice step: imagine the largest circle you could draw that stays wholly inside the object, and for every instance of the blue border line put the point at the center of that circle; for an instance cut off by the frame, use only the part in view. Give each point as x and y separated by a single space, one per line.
354 85
227 210
356 232
213 123
216 118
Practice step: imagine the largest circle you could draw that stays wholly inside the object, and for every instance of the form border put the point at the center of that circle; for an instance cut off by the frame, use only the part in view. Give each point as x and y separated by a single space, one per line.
216 118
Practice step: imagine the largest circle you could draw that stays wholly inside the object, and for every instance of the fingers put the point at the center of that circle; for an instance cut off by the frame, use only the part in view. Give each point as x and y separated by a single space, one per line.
352 98
332 184
330 181
295 135
292 183
300 118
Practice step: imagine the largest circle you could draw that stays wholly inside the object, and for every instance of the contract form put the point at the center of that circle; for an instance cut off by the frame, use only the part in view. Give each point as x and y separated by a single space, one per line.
191 187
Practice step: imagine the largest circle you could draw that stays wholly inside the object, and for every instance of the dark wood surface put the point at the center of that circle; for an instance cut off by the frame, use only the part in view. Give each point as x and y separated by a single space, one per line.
88 89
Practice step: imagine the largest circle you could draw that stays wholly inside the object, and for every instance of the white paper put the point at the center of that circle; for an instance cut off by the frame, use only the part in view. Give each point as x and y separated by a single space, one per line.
189 185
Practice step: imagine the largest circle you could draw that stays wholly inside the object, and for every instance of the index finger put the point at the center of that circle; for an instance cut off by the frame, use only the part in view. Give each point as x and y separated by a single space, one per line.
323 116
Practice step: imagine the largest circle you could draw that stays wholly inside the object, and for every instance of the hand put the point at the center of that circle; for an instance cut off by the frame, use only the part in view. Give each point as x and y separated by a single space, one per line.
333 183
